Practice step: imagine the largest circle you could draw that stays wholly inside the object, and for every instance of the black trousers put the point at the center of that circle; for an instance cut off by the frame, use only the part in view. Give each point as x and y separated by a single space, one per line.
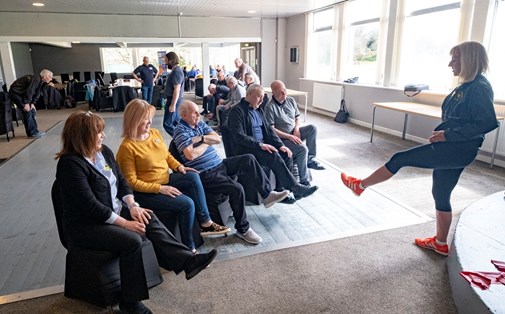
279 163
219 180
171 254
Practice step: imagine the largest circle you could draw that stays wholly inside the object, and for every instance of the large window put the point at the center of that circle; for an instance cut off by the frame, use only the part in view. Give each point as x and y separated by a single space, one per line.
429 31
362 33
321 42
119 60
125 60
496 49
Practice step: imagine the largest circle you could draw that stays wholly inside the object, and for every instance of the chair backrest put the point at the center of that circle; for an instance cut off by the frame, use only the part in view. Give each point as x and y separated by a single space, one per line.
77 76
113 76
172 149
99 77
87 76
58 211
64 77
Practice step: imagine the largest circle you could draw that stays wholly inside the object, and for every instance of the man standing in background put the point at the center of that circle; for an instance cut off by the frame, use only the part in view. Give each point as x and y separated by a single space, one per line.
148 74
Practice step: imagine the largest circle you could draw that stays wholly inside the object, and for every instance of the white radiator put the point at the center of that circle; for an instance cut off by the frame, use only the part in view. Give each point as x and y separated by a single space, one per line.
327 97
490 137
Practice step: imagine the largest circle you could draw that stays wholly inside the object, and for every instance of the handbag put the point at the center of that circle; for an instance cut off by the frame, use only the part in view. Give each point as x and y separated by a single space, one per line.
342 114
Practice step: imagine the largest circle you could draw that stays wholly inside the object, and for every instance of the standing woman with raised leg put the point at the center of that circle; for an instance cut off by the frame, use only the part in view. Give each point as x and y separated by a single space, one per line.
467 114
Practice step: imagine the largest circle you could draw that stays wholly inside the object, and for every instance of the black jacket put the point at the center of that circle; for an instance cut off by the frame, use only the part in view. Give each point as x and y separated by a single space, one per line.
240 128
29 87
85 192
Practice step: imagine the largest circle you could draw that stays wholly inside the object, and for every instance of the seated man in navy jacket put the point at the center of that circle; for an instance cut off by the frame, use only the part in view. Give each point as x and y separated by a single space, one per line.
251 134
216 92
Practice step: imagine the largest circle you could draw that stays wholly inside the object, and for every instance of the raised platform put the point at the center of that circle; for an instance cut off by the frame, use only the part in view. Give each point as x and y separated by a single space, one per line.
479 238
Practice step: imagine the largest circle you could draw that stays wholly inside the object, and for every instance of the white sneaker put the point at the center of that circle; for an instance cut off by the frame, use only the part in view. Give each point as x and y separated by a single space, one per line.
250 236
275 197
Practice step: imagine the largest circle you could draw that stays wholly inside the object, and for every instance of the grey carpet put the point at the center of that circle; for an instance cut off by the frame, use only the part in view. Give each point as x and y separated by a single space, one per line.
373 273
381 272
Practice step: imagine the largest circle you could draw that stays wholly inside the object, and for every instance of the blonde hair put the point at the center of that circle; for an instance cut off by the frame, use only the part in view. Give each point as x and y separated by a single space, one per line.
135 113
473 59
80 134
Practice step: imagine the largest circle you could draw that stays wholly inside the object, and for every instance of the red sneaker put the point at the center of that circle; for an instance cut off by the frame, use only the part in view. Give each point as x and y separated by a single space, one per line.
431 244
352 183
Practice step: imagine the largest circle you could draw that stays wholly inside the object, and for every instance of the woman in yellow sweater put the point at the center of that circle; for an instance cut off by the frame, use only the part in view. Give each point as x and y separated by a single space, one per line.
145 162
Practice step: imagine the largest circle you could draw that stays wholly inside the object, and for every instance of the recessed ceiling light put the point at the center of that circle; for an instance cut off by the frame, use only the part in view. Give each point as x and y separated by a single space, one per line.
38 4
251 11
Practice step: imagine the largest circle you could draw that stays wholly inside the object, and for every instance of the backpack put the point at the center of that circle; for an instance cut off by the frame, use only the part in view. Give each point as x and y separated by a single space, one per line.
342 114
69 102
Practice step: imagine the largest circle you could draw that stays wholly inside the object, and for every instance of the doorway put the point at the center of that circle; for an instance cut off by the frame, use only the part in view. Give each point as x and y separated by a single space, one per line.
249 52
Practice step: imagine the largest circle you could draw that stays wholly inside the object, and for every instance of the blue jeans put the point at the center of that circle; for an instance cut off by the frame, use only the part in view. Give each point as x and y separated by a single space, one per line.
147 93
447 159
29 118
171 119
184 205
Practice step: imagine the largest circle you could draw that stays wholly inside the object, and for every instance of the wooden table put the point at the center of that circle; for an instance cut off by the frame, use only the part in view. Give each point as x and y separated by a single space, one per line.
422 110
292 92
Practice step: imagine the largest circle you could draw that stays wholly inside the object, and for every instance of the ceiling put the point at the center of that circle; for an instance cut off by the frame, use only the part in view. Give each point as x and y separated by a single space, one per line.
216 8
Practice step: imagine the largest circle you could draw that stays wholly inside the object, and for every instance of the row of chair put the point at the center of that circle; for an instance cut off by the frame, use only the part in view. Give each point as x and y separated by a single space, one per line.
65 77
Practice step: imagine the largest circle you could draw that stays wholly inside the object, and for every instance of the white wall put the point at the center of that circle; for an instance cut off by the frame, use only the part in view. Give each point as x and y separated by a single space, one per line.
360 99
82 26
295 37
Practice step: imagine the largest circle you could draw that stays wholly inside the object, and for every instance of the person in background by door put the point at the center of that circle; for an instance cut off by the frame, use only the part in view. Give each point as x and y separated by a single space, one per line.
467 114
174 91
242 69
24 92
148 75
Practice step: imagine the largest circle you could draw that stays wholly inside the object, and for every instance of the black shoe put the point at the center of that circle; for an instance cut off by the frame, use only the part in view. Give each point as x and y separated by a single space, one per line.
134 308
313 164
290 199
197 263
306 183
301 191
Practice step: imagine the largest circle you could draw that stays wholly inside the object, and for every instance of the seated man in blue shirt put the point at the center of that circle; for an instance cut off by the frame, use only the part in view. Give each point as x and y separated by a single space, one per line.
148 75
194 139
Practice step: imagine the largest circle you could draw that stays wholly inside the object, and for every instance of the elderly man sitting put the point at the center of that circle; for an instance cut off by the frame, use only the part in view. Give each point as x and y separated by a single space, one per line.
236 93
194 140
281 112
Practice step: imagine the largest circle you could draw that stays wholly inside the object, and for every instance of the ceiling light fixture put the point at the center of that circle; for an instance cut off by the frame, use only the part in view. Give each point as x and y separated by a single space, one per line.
251 11
38 4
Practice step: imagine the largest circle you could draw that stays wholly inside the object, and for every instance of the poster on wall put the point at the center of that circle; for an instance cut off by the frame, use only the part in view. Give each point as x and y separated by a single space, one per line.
161 60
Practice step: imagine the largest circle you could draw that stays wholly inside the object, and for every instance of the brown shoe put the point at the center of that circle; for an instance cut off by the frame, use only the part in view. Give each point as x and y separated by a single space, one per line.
214 229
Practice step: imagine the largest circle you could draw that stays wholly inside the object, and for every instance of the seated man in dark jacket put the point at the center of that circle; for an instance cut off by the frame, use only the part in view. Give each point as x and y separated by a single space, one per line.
210 101
251 134
24 92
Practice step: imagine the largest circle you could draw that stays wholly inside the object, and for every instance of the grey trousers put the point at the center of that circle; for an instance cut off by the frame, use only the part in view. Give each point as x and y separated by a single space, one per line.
303 152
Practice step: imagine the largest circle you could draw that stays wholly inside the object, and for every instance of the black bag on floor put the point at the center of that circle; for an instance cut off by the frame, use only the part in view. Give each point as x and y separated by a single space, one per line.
342 114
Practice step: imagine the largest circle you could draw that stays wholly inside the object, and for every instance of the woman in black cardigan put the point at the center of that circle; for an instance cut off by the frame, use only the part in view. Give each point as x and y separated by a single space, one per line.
100 213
